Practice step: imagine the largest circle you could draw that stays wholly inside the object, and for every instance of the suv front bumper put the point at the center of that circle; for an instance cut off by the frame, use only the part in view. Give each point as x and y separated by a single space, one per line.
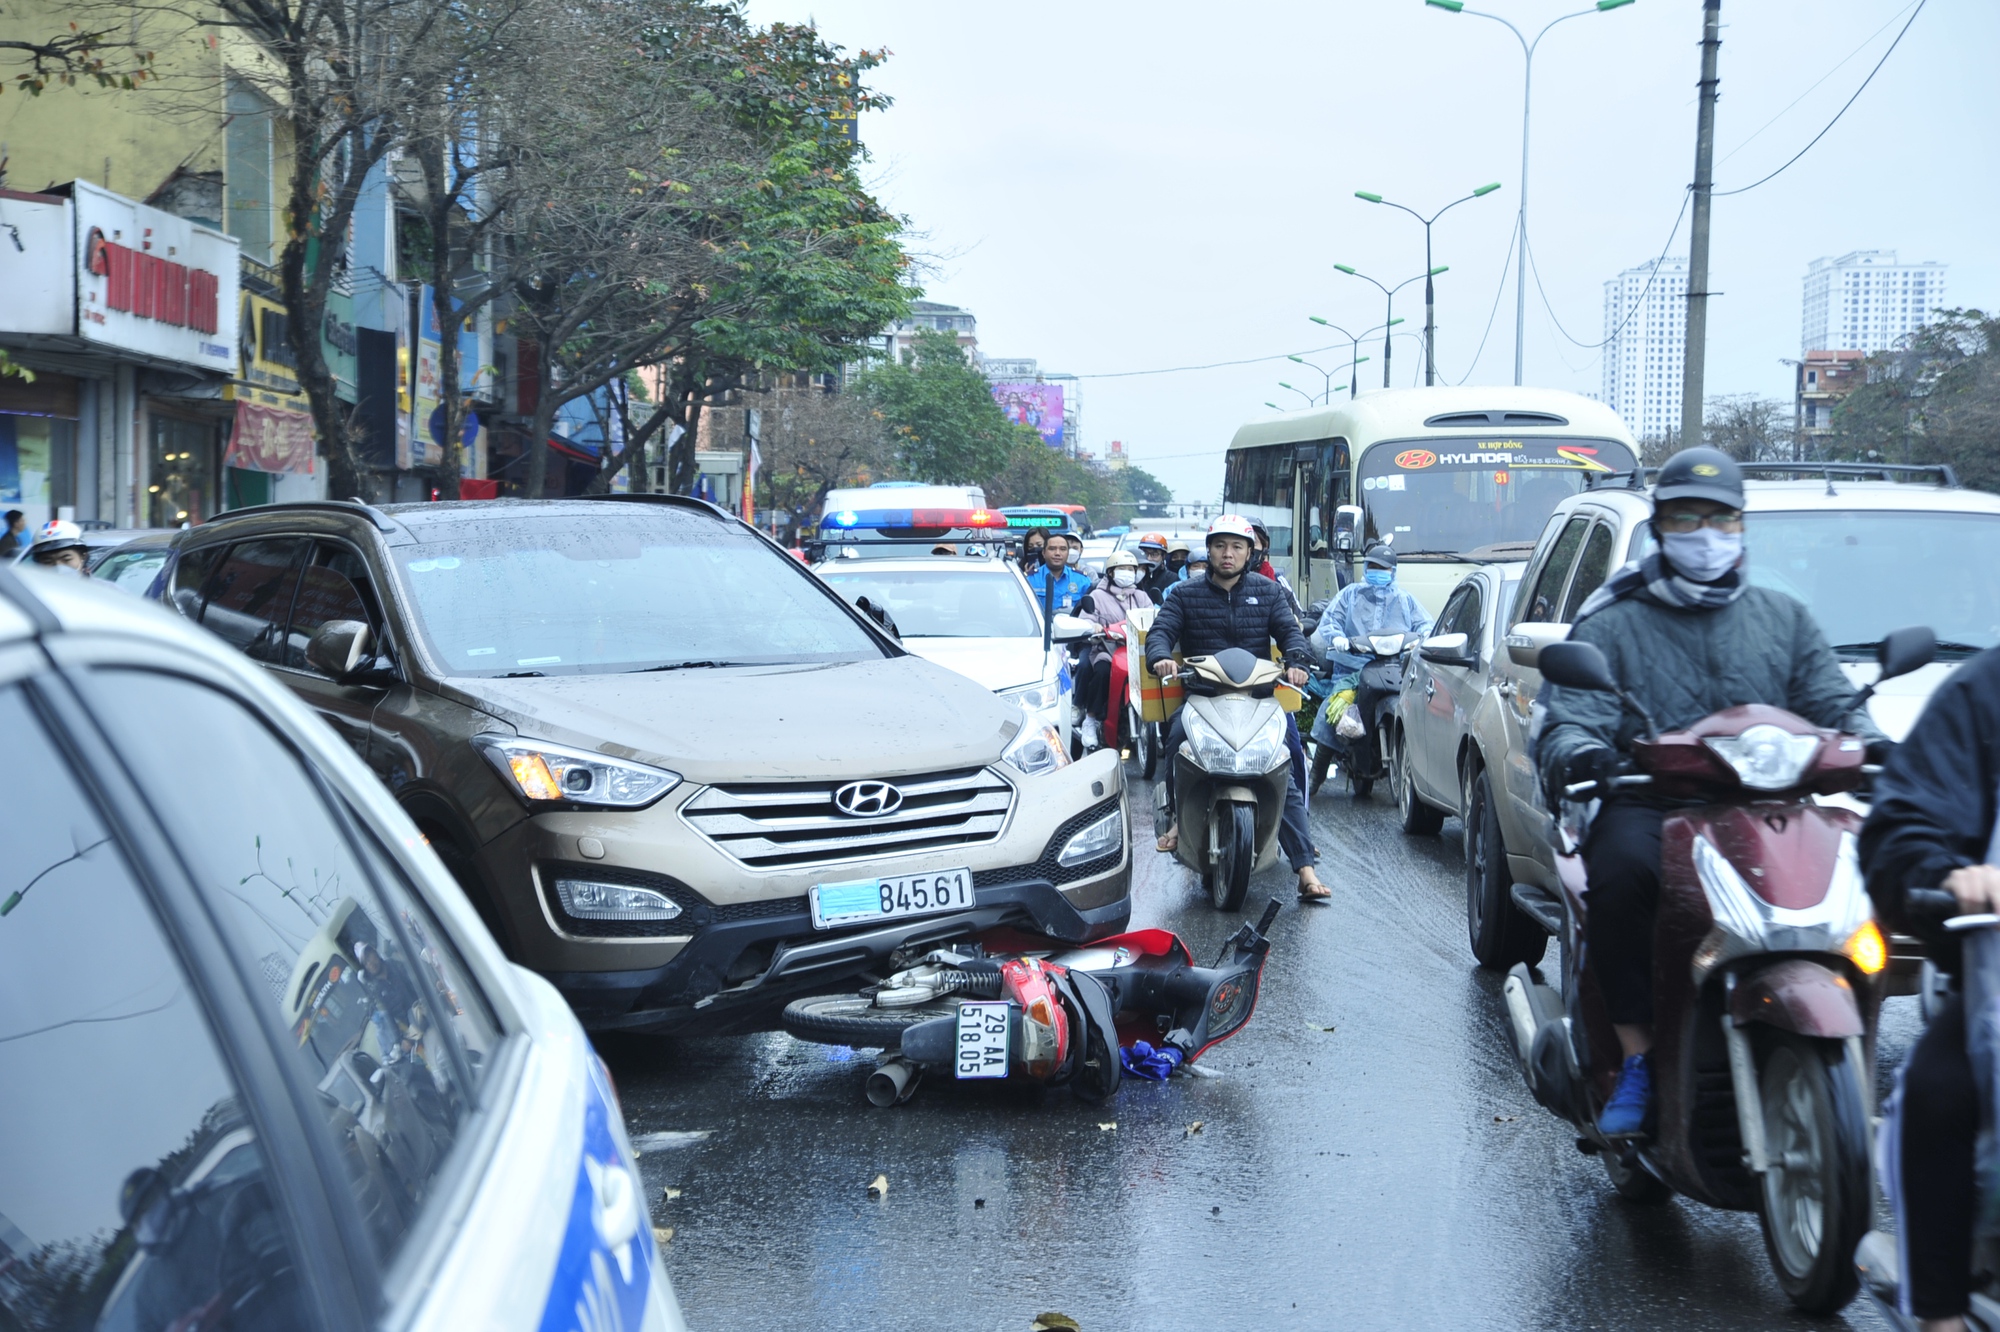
745 941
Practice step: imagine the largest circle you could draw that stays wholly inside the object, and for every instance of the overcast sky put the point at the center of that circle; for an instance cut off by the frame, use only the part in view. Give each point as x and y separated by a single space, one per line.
1124 187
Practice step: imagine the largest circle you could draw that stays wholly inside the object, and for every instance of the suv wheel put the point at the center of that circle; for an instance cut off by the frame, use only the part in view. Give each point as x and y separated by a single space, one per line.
1501 935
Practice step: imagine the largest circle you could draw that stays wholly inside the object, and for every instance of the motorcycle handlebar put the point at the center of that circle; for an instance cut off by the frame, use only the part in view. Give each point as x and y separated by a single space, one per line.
1931 903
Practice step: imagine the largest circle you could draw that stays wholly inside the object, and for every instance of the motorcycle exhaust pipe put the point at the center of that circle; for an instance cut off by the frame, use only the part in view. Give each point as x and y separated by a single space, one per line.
893 1082
1521 1020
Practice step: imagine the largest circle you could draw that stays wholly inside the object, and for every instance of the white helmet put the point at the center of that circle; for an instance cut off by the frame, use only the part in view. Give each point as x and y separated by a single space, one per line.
1230 524
1121 559
57 534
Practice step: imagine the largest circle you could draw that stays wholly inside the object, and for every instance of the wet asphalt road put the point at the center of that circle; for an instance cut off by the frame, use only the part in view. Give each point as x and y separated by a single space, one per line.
1392 1172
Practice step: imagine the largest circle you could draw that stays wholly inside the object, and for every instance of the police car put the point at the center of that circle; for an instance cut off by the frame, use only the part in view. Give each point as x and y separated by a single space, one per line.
260 1064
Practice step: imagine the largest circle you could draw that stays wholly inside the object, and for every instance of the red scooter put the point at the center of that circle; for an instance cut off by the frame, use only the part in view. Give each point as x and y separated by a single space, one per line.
1009 1005
1767 973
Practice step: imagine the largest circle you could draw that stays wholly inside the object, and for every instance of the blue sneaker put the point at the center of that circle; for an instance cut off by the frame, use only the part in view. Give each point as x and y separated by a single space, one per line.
1629 1112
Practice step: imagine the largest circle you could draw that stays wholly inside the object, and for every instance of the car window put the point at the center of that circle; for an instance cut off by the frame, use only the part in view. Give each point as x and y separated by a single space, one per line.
1451 620
945 603
131 570
191 571
132 1185
1541 603
307 911
654 589
250 596
334 585
1591 570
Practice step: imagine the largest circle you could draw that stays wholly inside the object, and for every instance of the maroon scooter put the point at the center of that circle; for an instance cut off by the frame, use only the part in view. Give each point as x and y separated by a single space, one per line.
1767 971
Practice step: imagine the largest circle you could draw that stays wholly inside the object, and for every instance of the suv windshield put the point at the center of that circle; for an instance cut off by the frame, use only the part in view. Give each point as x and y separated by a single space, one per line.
945 603
1865 572
1449 496
552 594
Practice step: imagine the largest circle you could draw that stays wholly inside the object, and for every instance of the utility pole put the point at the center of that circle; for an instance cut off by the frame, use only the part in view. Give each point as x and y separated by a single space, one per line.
1704 182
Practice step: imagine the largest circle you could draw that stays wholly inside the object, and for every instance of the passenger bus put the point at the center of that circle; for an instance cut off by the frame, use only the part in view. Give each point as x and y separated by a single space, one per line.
1449 477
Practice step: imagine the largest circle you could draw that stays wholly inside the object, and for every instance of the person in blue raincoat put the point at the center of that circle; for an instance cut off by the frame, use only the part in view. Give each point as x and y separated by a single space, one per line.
1373 606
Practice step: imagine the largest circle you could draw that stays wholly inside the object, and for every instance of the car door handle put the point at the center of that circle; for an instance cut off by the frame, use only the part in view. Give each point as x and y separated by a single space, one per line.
1430 686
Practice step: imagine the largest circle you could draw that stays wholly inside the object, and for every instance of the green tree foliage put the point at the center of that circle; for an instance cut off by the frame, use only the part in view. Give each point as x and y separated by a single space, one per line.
100 55
1934 400
941 414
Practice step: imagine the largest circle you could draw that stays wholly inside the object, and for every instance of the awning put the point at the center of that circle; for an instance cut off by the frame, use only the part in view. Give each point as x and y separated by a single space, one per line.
271 439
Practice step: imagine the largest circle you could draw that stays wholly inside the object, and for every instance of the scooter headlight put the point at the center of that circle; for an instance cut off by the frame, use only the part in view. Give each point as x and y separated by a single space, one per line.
1766 757
1265 751
1386 645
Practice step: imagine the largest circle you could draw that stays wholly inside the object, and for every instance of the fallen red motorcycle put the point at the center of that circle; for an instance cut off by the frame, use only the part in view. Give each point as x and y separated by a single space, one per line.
1012 1005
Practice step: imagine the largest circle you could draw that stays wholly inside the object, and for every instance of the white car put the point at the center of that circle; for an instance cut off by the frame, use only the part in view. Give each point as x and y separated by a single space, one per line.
260 1063
976 617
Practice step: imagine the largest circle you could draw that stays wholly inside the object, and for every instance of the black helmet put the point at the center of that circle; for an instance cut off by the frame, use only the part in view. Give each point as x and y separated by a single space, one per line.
1381 556
1700 473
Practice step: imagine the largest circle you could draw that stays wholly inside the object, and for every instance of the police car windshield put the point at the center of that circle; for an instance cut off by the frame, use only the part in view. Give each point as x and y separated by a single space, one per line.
1446 496
945 602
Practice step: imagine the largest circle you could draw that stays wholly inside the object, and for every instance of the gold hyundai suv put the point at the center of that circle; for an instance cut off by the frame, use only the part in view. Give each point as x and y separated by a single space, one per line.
676 774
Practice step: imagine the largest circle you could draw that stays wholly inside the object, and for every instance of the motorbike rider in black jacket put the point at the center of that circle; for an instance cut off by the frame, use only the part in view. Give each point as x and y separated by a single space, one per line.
1932 823
1233 607
1687 635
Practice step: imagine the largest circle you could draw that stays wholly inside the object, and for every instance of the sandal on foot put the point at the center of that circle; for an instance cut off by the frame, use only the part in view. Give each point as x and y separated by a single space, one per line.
1168 843
1322 896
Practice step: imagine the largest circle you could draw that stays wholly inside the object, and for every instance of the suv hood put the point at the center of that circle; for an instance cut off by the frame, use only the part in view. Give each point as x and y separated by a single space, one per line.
882 718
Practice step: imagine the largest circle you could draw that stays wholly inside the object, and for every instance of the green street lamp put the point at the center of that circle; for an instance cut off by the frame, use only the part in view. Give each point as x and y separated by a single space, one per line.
1389 307
1326 375
1527 85
1430 292
1354 345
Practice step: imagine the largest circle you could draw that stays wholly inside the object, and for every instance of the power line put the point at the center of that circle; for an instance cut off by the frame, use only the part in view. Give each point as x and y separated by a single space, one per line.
1513 238
1212 365
1651 278
1718 194
1821 79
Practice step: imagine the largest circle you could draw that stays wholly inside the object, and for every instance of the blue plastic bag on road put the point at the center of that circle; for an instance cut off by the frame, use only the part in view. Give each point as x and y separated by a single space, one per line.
1141 1060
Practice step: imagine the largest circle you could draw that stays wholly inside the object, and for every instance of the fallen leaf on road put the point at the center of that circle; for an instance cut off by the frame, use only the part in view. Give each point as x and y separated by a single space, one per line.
661 1234
1192 1129
1314 1026
670 1193
979 1202
1106 1128
1054 1322
1505 1119
878 1187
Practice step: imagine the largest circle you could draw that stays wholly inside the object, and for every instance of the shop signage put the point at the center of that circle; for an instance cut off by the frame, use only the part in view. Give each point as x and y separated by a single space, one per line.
36 239
153 284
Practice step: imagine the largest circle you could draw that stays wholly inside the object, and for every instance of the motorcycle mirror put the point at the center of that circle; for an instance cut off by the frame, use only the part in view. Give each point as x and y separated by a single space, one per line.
1577 666
1906 650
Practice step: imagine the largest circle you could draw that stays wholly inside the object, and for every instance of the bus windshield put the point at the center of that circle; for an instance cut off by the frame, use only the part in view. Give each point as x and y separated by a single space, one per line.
1449 497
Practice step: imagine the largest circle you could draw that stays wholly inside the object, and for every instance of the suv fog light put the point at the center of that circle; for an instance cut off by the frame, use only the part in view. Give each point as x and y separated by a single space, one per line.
587 899
1097 839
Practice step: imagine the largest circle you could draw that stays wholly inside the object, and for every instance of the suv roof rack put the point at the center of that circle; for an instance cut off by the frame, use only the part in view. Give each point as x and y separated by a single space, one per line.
673 501
1636 479
382 521
1940 473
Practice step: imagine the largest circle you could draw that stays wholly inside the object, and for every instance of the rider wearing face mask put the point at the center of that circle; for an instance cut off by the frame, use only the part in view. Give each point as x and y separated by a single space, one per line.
1120 593
1373 606
1686 635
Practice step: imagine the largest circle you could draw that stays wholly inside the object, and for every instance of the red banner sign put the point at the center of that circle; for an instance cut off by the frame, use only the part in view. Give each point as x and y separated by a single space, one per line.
152 287
271 439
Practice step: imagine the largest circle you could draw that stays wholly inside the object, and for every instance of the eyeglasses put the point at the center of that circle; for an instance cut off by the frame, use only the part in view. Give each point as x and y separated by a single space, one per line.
1729 520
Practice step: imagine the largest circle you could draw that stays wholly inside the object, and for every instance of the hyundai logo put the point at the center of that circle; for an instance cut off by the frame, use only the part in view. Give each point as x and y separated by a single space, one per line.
867 800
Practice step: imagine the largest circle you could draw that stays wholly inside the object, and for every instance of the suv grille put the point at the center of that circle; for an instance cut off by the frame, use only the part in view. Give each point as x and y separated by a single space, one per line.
783 825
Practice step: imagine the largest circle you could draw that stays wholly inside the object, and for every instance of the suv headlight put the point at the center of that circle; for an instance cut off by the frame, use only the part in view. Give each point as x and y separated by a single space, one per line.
551 774
1094 839
1036 748
1265 751
1037 698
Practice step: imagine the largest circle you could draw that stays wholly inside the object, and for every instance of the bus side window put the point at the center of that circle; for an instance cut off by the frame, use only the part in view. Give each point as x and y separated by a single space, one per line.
1546 595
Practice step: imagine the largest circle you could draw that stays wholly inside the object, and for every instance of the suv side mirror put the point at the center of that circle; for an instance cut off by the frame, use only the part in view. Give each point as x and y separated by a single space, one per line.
1448 650
1577 666
1906 650
339 648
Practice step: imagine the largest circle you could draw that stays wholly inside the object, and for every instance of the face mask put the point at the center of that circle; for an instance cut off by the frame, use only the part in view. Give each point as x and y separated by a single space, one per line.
1380 577
1124 577
1703 555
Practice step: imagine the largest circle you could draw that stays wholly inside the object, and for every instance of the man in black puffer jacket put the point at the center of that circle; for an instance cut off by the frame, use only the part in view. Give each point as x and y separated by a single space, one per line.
1686 635
1233 607
1935 818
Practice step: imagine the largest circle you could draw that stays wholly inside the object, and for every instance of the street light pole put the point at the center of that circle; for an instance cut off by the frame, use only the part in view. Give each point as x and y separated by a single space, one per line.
1326 376
1389 308
1430 290
1354 341
1527 86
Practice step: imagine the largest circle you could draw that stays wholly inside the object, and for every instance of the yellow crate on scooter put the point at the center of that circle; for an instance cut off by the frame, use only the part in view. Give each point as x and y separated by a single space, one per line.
1159 699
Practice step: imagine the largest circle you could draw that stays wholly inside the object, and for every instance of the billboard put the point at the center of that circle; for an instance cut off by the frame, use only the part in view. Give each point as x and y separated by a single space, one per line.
154 284
1038 406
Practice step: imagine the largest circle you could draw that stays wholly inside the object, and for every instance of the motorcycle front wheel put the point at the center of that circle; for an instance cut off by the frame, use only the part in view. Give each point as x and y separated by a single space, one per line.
1816 1203
1229 881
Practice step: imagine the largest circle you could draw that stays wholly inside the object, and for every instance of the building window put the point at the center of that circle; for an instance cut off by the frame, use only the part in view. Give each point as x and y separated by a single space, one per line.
181 476
248 189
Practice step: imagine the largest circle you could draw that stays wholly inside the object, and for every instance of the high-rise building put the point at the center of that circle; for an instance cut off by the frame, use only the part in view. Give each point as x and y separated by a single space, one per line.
1866 301
1645 324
